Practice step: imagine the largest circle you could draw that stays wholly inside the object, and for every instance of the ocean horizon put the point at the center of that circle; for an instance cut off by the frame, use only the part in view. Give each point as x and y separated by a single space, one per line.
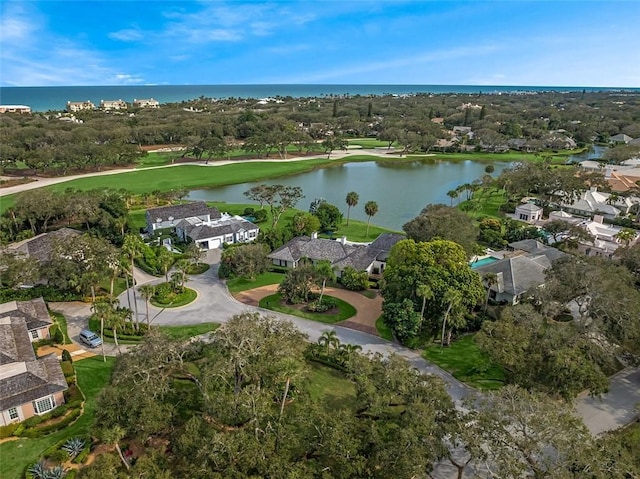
56 97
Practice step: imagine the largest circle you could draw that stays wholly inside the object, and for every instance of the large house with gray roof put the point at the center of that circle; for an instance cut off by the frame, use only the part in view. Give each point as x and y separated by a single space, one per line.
28 385
340 253
39 247
521 270
203 225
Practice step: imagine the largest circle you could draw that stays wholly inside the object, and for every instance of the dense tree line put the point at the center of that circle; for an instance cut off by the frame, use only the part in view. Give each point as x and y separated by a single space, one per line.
213 128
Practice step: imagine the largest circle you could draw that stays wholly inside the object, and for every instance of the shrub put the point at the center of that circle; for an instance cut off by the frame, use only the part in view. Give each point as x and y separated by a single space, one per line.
74 446
354 280
66 356
59 456
56 334
67 368
8 430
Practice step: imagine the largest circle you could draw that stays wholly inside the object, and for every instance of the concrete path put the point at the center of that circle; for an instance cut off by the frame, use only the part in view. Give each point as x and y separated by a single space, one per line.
619 407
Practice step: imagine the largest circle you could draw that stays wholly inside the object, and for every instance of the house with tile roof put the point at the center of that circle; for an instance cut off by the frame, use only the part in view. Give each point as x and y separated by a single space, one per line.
371 257
28 385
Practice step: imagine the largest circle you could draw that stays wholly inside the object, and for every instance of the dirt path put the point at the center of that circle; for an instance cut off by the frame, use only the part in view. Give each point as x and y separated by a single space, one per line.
367 310
41 182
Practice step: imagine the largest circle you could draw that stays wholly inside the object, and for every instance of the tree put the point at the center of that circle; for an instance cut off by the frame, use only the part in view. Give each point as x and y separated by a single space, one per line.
439 265
329 215
16 270
247 261
354 280
453 299
370 209
298 283
352 200
626 235
113 436
324 273
402 318
304 224
334 142
194 253
452 194
279 198
443 222
147 291
329 340
165 260
132 248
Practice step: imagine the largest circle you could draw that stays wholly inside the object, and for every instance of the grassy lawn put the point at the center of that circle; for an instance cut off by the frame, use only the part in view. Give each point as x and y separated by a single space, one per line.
330 388
188 331
236 285
383 330
176 300
345 310
467 363
158 159
93 375
61 321
490 202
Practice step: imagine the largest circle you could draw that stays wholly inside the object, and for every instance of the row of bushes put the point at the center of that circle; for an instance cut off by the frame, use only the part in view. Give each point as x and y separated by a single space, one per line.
316 353
49 293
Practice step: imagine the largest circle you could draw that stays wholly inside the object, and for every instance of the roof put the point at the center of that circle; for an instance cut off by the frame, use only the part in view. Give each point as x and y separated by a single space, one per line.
33 312
15 345
518 274
358 256
529 207
185 210
39 247
39 378
536 248
225 226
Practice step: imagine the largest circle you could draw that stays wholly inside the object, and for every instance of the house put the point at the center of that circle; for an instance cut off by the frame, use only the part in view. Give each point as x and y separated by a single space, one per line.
604 240
146 103
204 225
460 131
113 104
534 248
28 385
39 247
34 313
594 202
620 138
15 109
528 212
515 276
80 105
340 253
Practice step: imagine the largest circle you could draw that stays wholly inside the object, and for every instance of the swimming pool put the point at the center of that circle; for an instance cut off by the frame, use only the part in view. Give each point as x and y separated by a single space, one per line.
483 262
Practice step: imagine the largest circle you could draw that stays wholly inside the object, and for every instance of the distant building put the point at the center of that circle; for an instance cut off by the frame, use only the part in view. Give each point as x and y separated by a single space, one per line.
15 109
528 212
146 103
620 138
80 106
113 104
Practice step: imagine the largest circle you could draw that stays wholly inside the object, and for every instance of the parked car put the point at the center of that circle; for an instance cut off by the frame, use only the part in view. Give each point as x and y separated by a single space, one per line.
90 338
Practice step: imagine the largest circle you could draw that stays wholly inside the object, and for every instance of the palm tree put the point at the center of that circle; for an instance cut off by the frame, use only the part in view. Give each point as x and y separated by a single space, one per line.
352 200
147 291
626 235
113 436
370 209
165 260
452 194
132 249
102 309
324 272
347 351
328 340
116 318
182 266
453 298
425 292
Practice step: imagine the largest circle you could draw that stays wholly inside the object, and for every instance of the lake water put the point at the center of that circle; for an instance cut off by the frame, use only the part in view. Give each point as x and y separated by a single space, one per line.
400 189
594 153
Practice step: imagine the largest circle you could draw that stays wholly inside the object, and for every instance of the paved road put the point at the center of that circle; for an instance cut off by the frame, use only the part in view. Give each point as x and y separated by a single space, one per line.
214 303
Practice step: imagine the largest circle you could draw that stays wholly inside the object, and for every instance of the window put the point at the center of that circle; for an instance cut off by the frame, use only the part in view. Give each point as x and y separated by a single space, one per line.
229 239
34 334
43 405
13 413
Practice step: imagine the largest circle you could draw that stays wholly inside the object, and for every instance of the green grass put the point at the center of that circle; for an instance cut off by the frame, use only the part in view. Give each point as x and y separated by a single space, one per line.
329 388
187 296
467 363
236 285
61 321
198 268
93 376
345 310
490 202
188 331
383 330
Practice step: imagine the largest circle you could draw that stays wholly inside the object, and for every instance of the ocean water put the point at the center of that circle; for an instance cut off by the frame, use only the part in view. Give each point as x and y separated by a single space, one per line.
56 98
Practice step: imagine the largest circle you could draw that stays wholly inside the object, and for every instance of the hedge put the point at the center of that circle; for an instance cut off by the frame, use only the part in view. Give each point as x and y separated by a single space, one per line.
8 430
37 432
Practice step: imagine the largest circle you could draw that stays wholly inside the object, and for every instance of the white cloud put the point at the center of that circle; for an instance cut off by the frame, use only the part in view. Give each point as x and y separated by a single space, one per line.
127 35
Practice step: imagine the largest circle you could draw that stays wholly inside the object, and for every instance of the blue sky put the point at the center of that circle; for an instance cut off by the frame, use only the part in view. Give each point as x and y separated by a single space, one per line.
560 43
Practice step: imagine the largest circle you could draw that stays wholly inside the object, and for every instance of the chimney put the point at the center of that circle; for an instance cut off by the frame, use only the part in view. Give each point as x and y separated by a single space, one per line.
598 219
314 235
343 239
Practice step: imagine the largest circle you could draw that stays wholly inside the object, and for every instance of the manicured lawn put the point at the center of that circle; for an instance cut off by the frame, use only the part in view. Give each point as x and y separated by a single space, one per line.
489 201
158 159
188 331
61 321
274 303
357 231
187 296
236 285
467 363
93 376
329 387
383 330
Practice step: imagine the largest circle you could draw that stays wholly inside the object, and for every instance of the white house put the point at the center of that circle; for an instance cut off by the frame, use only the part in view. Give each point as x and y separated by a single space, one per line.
594 202
605 240
80 105
146 103
528 212
113 104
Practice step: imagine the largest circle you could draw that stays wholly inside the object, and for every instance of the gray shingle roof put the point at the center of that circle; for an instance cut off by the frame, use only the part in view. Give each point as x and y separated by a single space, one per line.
198 232
534 247
186 210
39 247
15 345
518 274
42 377
34 312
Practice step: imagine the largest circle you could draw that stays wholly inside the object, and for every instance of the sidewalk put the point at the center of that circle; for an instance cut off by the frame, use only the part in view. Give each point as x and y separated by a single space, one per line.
77 353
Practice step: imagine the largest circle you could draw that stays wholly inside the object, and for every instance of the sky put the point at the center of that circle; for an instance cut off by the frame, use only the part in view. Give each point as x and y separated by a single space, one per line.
523 43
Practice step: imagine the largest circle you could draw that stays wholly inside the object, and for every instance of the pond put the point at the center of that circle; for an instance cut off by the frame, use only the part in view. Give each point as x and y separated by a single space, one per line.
401 189
595 152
